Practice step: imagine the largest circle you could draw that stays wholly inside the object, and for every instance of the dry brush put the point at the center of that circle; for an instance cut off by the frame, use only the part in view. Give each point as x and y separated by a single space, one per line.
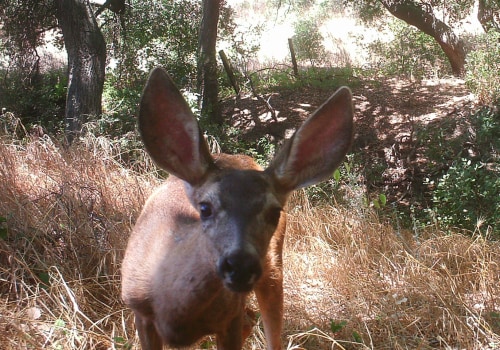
351 281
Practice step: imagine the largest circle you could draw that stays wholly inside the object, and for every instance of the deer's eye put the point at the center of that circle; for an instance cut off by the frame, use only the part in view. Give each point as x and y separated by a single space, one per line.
205 210
273 216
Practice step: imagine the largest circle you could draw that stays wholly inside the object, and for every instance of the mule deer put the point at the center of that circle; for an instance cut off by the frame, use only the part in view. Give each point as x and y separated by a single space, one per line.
214 231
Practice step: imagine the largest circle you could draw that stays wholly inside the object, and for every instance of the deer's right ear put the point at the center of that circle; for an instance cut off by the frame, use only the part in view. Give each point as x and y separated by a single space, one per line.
318 146
170 131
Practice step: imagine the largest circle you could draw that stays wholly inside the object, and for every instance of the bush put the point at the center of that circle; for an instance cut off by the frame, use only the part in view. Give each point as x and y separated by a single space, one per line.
323 78
38 99
483 64
157 34
411 53
308 42
120 104
468 194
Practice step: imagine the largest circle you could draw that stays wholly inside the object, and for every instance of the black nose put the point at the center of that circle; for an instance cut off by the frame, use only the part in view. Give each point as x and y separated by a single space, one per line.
239 271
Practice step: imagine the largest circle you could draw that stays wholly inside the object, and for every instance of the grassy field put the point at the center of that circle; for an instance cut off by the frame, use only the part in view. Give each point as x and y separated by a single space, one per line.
352 281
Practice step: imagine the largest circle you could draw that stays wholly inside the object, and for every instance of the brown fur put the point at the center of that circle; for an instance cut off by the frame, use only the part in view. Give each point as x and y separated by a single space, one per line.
213 232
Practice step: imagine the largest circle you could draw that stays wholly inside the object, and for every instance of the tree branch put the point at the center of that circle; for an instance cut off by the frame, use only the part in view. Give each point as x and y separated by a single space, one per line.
414 14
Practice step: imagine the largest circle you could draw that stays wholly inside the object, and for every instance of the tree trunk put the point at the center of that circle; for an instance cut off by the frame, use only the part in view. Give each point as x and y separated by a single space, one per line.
415 15
486 16
294 59
86 50
207 64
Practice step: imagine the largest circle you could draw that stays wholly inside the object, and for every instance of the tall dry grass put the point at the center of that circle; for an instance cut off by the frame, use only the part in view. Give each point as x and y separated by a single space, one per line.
388 289
67 217
68 214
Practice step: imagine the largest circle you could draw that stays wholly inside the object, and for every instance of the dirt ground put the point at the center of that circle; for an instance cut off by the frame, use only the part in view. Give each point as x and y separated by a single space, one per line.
395 121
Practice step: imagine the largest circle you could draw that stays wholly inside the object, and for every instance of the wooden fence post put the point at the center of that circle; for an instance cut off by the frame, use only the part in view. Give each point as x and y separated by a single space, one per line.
294 60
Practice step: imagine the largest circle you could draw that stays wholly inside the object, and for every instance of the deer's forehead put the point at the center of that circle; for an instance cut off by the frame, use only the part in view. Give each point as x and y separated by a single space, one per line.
232 187
244 182
246 193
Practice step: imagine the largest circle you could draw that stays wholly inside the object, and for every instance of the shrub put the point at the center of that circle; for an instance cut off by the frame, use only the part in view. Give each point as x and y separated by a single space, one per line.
308 42
158 33
483 65
411 52
322 78
37 99
120 104
468 194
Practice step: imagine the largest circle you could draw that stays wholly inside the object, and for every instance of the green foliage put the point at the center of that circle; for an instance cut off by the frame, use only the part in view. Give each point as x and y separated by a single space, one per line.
495 319
310 77
308 42
367 10
483 67
243 40
154 33
467 195
24 23
44 278
208 344
380 202
122 343
371 10
230 140
337 326
357 337
456 10
242 53
345 187
441 147
39 99
120 105
410 52
3 228
486 128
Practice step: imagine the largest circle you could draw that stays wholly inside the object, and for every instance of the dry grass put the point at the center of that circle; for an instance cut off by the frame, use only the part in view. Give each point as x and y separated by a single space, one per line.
391 290
68 214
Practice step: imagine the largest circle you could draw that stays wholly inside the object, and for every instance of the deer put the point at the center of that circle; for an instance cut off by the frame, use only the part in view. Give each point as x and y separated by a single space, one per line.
213 232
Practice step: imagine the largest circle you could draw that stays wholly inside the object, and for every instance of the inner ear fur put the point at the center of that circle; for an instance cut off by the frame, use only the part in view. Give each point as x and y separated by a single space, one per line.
318 146
170 131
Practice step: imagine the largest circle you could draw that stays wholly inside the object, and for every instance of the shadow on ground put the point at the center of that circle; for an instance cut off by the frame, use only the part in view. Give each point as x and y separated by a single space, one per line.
396 122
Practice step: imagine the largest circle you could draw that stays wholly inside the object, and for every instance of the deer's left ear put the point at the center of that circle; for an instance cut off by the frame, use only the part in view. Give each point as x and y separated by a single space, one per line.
318 146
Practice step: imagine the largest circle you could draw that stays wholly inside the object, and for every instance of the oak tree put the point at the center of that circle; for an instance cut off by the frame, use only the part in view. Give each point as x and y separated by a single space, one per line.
435 18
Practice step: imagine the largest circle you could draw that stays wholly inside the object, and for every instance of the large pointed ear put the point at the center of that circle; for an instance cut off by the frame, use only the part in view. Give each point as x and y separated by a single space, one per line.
170 131
318 146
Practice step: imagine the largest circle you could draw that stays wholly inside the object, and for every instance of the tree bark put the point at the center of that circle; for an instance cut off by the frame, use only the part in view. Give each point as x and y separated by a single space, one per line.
207 64
486 16
413 14
229 71
294 59
86 50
